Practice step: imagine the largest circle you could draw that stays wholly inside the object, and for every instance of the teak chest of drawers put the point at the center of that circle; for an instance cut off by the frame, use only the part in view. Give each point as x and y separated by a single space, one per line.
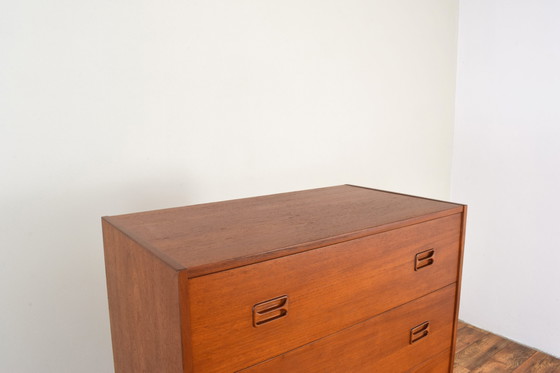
342 279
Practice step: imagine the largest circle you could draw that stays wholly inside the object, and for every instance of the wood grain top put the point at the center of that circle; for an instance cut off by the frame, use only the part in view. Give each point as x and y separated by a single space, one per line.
212 237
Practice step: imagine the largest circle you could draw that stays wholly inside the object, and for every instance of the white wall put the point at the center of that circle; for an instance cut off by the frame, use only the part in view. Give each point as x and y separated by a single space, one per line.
110 107
506 166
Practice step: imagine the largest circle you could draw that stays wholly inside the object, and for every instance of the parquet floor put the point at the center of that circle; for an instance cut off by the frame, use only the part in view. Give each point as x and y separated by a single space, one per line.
479 351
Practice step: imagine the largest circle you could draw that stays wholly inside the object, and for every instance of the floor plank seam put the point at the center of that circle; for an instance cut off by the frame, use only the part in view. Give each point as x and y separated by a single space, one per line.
479 351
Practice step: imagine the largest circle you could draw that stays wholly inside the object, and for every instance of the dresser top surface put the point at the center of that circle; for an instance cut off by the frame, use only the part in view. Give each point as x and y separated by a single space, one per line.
212 237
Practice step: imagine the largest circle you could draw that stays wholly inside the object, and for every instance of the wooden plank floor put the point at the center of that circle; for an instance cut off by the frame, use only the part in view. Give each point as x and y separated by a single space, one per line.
479 351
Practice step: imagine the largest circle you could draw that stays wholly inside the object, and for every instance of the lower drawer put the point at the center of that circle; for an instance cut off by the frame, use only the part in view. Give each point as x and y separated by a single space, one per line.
396 341
438 364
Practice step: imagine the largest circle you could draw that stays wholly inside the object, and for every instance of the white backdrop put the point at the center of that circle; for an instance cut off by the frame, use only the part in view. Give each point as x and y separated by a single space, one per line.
506 166
111 107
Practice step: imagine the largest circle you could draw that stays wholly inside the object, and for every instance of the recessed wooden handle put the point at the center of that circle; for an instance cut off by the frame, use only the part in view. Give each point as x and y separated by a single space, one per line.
424 259
419 332
270 310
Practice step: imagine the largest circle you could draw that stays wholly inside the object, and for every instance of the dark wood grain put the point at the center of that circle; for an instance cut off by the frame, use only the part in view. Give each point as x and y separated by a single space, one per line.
506 359
479 351
474 356
460 369
468 335
328 289
144 307
217 236
539 363
380 344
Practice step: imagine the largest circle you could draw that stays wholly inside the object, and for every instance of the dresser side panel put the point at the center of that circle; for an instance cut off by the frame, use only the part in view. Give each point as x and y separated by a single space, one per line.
459 278
144 308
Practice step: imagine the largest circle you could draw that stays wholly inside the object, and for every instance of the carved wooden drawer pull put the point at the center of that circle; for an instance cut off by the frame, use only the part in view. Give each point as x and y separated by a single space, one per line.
424 259
270 310
419 332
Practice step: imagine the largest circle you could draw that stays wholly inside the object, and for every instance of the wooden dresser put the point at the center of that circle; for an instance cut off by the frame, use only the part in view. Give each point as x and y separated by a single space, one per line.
341 279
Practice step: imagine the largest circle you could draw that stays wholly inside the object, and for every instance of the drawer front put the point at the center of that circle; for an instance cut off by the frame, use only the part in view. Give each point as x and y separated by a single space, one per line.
245 315
395 341
438 364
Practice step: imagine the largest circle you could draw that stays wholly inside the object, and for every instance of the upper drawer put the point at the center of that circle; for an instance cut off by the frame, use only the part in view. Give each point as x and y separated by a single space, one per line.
316 293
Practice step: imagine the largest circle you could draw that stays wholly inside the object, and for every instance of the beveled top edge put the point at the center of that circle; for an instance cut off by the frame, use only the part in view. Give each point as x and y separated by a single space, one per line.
179 263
